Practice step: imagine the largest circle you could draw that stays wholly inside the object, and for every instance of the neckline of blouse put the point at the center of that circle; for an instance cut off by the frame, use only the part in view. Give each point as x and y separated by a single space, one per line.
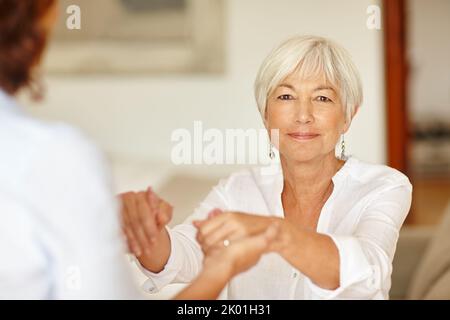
337 179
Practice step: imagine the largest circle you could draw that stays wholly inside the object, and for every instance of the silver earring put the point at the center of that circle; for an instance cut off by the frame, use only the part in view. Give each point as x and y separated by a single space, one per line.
343 148
271 152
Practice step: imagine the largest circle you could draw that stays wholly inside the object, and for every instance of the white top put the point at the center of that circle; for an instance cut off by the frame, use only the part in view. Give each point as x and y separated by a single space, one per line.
59 228
363 216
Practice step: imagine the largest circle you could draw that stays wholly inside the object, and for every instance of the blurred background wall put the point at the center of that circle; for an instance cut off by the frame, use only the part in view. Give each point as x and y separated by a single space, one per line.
428 56
135 115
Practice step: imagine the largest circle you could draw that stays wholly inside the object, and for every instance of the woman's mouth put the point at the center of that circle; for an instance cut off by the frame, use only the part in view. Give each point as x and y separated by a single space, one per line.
303 136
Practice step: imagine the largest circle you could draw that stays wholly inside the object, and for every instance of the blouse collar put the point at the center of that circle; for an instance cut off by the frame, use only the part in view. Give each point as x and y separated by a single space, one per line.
339 179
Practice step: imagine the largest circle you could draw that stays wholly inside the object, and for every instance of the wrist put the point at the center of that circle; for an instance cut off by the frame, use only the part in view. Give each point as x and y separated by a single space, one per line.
155 258
219 273
288 240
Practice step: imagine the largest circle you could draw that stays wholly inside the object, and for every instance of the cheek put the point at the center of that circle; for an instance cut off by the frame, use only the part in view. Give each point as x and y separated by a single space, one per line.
279 120
332 123
277 117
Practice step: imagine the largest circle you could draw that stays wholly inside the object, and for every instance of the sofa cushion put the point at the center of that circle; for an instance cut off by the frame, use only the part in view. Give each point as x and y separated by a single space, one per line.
432 277
441 289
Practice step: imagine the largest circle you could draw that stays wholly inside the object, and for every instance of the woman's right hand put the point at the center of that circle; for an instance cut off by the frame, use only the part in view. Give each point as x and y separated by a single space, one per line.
144 216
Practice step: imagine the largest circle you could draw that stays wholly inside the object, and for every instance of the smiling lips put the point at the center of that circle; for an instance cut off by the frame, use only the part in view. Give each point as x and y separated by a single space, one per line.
303 136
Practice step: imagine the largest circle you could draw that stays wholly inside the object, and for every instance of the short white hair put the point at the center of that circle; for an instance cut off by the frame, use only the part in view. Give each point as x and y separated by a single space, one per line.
310 56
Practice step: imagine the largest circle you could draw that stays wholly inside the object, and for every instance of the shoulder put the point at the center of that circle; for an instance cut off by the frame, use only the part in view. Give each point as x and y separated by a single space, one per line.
376 190
32 146
368 185
26 135
23 137
366 173
64 152
60 141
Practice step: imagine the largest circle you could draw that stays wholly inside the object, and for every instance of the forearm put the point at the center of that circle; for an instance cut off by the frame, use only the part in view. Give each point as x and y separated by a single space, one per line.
315 255
158 254
207 286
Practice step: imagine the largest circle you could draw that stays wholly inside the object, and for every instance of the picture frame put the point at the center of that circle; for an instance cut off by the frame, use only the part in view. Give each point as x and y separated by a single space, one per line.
139 36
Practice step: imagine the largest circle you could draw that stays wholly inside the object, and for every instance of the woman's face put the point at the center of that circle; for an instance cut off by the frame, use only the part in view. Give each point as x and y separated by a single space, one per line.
309 116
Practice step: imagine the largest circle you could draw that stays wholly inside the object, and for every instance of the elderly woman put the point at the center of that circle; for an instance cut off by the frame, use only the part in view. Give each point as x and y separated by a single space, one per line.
339 217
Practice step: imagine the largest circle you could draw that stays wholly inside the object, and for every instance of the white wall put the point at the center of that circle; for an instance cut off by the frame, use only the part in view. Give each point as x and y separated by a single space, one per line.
135 115
429 57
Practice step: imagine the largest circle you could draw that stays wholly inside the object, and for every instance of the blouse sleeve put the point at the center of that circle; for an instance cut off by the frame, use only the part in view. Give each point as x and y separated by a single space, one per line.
366 255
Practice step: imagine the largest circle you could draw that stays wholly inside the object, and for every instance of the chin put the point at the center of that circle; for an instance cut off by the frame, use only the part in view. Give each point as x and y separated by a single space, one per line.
301 155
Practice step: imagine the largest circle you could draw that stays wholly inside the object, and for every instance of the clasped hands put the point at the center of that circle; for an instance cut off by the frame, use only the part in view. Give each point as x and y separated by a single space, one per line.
232 242
225 228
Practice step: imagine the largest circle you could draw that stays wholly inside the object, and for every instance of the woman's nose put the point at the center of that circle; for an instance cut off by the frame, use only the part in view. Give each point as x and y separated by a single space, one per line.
304 112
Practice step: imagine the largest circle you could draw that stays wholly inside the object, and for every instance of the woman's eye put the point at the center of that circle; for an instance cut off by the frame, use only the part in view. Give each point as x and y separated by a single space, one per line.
286 97
323 99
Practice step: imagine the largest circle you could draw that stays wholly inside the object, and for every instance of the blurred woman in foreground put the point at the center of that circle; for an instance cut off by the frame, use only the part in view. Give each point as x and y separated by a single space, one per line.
60 235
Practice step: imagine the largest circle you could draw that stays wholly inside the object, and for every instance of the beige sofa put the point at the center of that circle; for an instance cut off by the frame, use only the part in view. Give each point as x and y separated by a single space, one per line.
421 268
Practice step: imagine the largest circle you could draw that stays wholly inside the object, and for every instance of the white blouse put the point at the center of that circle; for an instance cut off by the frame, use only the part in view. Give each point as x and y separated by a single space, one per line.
60 236
363 216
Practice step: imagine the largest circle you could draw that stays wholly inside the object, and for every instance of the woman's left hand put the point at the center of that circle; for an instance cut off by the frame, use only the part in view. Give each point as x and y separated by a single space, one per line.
220 264
221 227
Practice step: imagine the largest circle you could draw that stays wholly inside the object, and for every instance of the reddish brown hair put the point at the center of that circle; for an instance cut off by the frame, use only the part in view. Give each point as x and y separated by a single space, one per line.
22 41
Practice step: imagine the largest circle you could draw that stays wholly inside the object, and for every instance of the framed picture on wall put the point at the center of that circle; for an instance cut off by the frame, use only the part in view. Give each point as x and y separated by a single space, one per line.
139 36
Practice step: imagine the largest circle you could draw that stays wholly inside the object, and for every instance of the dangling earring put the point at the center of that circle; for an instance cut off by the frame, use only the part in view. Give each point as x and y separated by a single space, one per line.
343 148
271 152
